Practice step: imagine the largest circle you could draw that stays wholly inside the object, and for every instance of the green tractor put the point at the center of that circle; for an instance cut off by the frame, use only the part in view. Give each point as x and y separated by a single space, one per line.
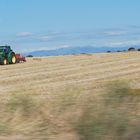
7 56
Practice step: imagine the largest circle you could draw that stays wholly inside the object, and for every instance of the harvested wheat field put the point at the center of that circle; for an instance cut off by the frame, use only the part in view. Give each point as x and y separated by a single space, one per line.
77 97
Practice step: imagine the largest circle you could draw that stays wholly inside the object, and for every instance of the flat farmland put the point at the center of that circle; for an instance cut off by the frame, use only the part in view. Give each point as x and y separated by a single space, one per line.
75 97
50 74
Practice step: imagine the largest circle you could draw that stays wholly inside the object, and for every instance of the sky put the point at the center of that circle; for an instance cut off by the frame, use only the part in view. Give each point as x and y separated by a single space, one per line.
29 25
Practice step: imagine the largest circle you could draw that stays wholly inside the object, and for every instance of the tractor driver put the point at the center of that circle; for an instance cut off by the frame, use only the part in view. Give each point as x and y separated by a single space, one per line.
6 51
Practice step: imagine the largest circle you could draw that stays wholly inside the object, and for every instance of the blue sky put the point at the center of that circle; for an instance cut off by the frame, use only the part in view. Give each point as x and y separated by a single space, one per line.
29 25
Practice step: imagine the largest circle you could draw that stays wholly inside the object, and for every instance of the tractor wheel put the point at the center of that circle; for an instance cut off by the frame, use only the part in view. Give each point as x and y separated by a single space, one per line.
13 58
4 61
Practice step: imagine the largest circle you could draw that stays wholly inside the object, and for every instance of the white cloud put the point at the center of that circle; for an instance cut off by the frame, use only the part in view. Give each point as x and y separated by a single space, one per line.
24 34
115 33
54 47
124 43
45 38
64 46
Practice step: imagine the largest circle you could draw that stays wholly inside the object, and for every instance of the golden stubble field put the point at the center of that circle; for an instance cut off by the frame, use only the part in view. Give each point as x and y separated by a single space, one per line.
39 98
52 74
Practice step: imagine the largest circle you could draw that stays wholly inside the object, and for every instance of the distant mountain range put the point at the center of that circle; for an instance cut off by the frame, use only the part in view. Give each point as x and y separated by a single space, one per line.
76 50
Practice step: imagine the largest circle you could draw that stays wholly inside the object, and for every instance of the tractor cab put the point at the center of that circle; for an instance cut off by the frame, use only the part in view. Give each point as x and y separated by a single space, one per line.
7 56
5 49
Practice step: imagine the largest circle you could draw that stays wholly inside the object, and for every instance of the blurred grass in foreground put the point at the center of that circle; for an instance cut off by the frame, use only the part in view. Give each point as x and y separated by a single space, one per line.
74 115
115 117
